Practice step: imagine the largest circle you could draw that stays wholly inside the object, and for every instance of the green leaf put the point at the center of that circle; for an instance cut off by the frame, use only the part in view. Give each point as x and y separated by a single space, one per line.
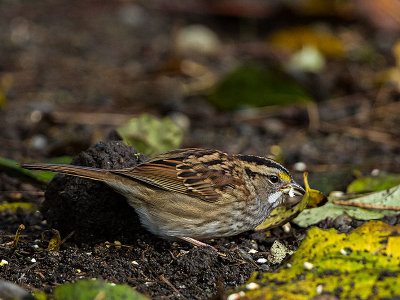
151 135
389 197
374 183
255 86
14 168
95 289
350 266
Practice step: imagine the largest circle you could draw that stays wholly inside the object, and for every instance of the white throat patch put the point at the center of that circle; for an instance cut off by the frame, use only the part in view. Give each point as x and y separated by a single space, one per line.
274 197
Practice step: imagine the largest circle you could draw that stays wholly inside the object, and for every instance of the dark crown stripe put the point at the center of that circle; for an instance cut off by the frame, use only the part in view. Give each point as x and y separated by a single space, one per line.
204 153
262 161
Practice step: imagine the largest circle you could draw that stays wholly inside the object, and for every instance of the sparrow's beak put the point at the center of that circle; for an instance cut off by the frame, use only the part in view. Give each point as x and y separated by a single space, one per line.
293 189
295 192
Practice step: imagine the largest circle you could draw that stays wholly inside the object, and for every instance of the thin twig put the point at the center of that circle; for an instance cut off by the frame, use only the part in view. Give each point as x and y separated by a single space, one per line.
366 205
171 285
30 267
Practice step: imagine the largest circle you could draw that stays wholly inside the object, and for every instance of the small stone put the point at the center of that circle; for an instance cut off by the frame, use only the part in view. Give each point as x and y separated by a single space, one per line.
197 39
342 220
300 166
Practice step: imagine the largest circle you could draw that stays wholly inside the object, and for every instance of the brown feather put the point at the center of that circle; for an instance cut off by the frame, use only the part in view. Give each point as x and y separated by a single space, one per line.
184 171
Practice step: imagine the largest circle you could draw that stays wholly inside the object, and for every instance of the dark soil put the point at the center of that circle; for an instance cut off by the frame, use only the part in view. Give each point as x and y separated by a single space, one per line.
72 71
89 213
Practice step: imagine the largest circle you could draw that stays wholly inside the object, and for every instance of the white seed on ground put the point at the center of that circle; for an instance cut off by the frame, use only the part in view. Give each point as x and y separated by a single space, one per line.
319 289
308 265
236 296
262 260
252 286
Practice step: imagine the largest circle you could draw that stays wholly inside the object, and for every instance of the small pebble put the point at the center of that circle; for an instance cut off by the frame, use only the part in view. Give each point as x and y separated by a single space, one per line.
262 260
342 220
252 251
264 267
300 166
375 172
33 260
319 289
198 39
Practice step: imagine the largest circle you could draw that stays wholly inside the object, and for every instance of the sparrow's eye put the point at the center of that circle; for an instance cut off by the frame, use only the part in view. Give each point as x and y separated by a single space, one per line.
273 178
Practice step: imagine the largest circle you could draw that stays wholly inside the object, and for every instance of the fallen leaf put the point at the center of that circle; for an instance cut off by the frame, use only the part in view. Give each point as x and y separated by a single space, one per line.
390 197
151 135
349 266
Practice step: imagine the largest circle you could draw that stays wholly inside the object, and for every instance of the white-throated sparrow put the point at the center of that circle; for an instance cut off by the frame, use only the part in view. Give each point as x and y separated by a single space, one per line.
196 193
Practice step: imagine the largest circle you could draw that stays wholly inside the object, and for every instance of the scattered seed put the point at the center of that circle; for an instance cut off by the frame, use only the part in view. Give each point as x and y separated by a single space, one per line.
236 296
252 286
308 265
3 262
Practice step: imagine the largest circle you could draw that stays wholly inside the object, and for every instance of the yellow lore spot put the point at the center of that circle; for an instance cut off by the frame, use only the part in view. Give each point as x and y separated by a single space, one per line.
284 176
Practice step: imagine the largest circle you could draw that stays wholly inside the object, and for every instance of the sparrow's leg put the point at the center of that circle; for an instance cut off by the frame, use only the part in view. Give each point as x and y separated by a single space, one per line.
196 242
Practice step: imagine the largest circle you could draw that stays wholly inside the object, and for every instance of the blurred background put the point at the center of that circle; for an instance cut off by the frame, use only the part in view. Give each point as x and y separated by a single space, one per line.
314 84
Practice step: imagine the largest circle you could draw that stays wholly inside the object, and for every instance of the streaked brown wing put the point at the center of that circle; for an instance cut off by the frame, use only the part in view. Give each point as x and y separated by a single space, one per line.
180 171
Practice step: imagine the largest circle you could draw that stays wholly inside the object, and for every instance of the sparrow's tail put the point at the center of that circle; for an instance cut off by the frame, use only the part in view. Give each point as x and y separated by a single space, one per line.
85 172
